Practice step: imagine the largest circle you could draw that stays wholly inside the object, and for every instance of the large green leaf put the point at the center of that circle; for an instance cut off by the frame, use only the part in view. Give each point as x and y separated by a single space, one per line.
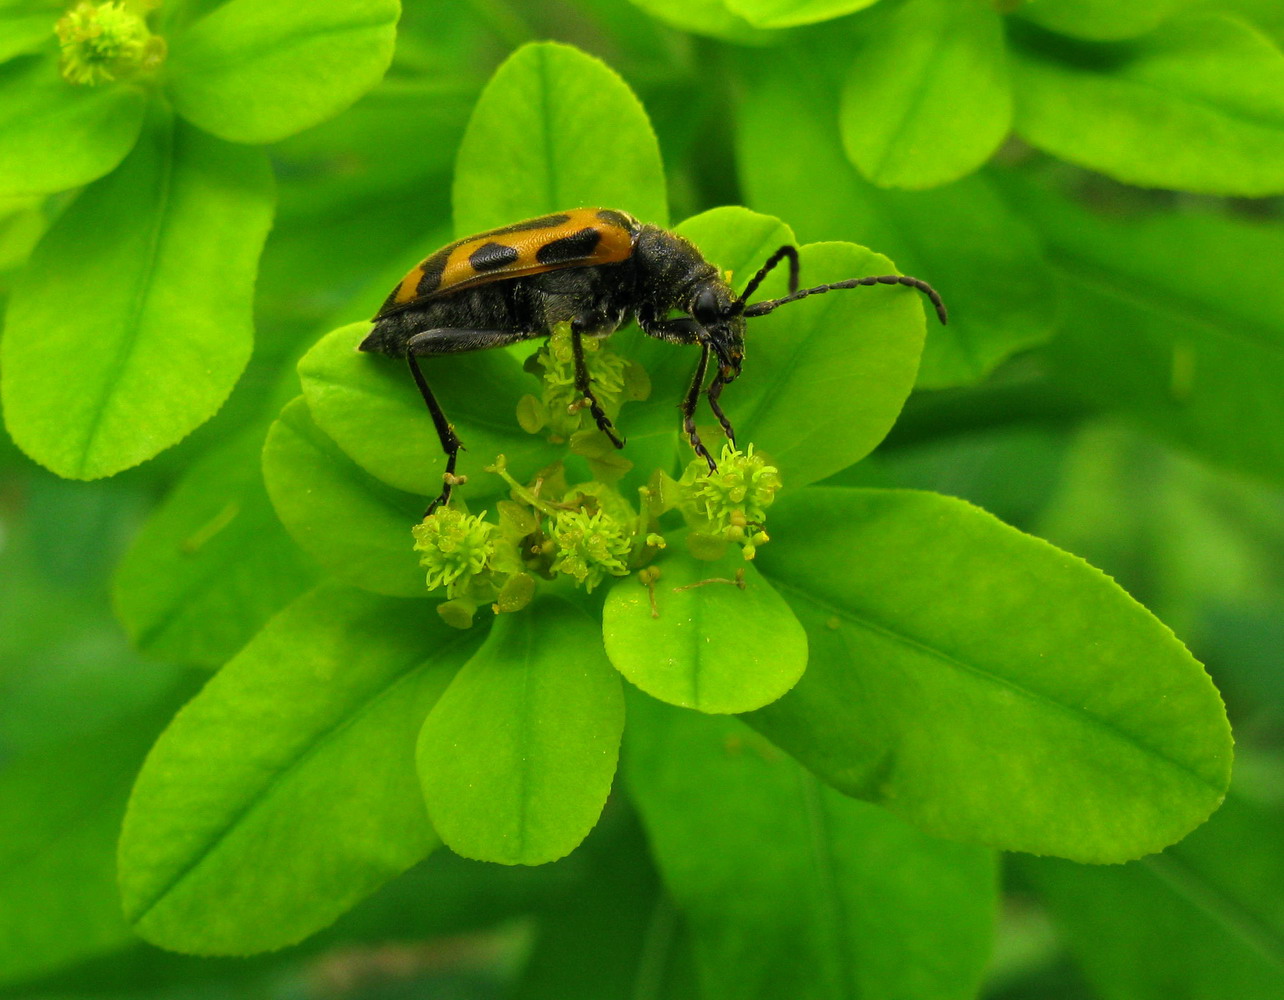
1197 105
286 791
27 26
212 564
985 685
518 756
1208 913
132 320
788 13
1103 20
556 129
712 647
54 135
1177 318
369 405
354 526
792 889
960 238
260 70
927 98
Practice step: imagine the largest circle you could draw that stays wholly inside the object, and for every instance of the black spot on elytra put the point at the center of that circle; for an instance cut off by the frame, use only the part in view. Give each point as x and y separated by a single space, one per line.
490 256
434 267
577 246
613 218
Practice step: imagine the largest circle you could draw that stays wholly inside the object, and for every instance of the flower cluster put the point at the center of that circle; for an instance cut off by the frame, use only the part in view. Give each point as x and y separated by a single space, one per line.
582 534
107 41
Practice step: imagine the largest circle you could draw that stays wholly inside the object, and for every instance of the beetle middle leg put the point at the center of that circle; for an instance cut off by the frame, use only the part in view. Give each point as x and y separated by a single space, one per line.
584 386
428 343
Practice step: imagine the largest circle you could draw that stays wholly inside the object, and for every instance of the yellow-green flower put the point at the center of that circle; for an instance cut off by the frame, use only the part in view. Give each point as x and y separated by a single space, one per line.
589 546
107 41
453 547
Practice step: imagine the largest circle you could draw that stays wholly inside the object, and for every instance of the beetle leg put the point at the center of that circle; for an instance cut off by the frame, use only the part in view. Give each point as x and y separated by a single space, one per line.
584 386
450 341
715 390
689 407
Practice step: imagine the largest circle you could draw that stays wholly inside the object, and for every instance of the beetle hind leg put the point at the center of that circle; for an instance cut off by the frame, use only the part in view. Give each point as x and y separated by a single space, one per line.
584 386
428 343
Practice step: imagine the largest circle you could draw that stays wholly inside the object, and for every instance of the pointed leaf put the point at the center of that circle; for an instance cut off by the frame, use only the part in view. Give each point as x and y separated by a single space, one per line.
985 685
709 646
54 135
1197 105
556 129
785 881
260 70
211 564
120 356
518 756
285 792
927 98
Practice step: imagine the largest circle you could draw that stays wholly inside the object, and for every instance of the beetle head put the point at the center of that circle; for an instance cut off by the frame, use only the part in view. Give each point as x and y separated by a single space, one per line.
714 307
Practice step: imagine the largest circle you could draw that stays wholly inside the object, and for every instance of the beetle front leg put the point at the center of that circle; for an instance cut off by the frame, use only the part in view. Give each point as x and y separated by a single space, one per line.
584 386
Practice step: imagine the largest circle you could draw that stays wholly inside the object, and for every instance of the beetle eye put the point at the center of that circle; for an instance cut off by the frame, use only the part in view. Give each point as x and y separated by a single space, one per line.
705 308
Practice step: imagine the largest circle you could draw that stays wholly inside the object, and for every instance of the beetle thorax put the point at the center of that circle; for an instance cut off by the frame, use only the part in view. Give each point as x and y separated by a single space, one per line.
669 269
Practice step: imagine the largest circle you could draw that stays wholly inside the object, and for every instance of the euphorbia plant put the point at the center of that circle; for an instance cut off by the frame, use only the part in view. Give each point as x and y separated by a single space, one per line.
902 648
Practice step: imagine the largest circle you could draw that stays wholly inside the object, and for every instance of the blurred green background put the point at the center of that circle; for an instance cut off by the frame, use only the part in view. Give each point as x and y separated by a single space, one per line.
1099 203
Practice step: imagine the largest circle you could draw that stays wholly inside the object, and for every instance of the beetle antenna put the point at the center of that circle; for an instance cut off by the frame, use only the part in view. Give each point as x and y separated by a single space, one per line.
791 252
762 308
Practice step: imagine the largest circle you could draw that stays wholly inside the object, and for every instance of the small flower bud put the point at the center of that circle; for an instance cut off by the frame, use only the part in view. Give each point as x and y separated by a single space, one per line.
107 41
589 546
453 547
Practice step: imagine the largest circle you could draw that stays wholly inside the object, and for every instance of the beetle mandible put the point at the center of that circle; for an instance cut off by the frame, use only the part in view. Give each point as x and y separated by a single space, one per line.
597 269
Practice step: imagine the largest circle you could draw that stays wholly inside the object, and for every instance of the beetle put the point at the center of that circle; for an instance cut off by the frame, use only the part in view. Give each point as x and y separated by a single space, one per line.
598 269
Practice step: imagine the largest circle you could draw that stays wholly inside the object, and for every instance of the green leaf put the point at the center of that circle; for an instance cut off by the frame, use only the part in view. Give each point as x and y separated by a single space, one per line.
927 99
792 889
369 405
985 685
285 792
1206 913
517 757
63 805
556 129
132 320
788 13
705 17
354 526
55 136
1175 318
212 563
1103 20
1198 105
709 646
260 70
961 238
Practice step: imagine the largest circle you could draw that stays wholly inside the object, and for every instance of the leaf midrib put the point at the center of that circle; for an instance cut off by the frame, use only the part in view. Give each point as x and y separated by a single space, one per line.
415 666
1030 694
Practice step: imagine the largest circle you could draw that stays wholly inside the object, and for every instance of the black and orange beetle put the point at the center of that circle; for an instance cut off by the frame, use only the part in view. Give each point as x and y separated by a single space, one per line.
597 269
